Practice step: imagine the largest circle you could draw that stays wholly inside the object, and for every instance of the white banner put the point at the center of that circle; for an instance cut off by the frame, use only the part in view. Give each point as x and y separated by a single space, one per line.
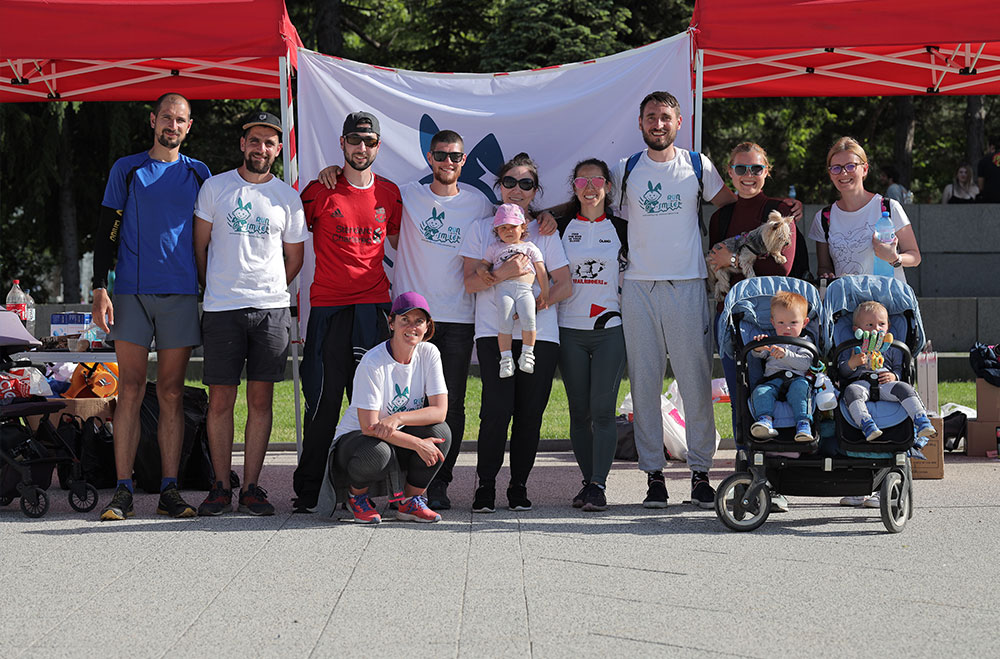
558 115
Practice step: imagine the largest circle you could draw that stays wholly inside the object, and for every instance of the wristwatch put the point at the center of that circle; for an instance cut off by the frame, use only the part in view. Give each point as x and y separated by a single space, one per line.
732 260
898 263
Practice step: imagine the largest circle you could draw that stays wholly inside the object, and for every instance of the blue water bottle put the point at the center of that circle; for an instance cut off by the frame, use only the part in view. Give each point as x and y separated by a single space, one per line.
886 233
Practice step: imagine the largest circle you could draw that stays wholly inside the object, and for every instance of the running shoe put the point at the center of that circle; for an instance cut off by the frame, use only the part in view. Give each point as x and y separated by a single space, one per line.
485 499
414 509
581 496
923 426
437 495
803 431
763 428
253 500
656 490
517 498
171 503
218 502
870 430
120 506
702 494
596 500
363 509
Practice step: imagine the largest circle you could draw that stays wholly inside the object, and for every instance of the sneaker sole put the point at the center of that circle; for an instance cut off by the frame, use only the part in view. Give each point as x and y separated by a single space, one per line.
519 509
407 517
927 432
703 504
116 516
763 433
212 513
872 437
187 512
591 508
654 504
370 522
803 438
244 509
871 503
484 509
578 504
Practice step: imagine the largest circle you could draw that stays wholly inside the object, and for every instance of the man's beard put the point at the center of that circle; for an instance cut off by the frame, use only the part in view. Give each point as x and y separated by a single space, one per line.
452 176
263 168
169 142
360 168
657 146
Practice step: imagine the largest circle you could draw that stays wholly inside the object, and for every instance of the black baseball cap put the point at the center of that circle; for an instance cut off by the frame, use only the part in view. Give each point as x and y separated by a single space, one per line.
262 119
355 123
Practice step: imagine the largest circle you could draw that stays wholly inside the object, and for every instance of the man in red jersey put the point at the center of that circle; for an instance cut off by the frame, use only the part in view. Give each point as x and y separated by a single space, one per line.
350 291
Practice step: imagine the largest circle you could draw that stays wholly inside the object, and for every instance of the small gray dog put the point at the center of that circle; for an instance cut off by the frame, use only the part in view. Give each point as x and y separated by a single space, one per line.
769 238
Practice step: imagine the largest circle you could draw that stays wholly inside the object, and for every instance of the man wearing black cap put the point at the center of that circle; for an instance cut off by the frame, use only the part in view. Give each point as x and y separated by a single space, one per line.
349 295
248 236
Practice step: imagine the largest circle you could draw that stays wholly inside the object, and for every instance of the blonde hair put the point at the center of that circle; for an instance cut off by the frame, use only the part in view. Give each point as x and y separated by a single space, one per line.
791 301
750 147
871 307
846 144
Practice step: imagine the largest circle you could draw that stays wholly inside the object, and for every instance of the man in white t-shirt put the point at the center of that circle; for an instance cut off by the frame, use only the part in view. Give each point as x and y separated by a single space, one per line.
249 233
664 300
437 218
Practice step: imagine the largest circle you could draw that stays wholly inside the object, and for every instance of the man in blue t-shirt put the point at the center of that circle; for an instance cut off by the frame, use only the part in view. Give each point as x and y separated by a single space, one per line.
146 221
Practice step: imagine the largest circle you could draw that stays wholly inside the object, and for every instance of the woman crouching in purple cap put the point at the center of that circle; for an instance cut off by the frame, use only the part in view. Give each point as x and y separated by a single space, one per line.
395 422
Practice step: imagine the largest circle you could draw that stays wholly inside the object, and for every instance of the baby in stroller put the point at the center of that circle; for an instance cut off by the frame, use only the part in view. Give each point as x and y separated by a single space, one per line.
785 368
856 368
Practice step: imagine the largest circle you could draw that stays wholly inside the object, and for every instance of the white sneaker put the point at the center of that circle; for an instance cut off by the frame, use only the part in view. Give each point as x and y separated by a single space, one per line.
873 501
506 367
854 502
526 362
779 504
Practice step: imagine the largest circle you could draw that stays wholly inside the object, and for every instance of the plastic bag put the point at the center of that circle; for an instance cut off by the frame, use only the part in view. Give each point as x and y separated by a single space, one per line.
23 382
672 418
720 391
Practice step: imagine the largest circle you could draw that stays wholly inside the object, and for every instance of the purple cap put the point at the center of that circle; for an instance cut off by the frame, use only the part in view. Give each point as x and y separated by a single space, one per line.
508 214
408 301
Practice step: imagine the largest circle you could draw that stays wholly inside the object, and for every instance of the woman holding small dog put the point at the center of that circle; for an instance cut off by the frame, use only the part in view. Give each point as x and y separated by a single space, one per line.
846 242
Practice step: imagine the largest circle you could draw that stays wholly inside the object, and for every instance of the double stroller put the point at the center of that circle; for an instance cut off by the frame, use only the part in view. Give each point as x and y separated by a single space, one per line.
837 461
27 458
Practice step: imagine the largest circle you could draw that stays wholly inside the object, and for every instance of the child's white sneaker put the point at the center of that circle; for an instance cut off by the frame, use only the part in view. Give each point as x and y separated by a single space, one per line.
506 367
527 362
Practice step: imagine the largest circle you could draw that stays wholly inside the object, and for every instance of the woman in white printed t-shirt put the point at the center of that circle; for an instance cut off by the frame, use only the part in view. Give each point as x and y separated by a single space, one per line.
851 246
396 417
517 402
591 342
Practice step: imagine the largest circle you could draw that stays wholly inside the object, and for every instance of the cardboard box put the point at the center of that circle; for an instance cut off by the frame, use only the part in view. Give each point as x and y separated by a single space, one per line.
981 437
933 466
103 408
987 401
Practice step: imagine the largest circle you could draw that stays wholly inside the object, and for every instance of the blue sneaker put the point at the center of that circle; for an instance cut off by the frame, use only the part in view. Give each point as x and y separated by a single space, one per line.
763 428
803 431
870 430
923 427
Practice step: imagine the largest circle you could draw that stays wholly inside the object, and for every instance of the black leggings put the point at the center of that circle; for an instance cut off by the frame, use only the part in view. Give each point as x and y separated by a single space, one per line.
367 459
522 397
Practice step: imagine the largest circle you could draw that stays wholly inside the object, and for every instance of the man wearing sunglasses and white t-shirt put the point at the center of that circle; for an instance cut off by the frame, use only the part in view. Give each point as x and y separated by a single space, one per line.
349 296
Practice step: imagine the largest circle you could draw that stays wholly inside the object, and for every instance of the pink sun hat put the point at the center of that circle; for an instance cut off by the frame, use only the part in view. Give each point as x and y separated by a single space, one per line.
508 214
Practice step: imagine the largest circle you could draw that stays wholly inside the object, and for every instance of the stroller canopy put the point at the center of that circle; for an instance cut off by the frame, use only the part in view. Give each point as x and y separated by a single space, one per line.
844 294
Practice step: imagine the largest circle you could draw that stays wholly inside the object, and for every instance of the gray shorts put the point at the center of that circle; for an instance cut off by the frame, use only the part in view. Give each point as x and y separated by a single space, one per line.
171 319
257 337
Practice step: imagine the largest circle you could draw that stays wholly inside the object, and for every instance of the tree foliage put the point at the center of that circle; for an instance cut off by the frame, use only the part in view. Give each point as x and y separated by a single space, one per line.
38 141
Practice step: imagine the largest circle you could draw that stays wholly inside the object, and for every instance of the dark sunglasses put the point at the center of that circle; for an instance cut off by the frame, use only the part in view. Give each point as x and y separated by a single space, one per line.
743 170
525 184
596 181
354 140
454 156
849 168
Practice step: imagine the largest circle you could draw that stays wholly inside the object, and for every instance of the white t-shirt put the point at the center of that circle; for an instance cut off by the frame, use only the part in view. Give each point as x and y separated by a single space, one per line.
250 221
546 322
497 252
661 200
851 236
592 249
431 234
383 384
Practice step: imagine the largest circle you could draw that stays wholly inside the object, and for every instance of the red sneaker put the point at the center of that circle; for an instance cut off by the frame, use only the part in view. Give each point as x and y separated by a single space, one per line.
414 509
364 510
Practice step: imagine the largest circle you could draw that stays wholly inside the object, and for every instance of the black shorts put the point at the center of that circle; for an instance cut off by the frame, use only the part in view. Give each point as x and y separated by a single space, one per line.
256 337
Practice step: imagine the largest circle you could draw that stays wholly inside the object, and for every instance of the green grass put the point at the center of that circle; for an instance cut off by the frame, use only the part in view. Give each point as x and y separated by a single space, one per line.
555 424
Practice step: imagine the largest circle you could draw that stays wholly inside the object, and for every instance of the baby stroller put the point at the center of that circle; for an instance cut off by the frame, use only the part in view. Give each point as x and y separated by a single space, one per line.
779 465
27 458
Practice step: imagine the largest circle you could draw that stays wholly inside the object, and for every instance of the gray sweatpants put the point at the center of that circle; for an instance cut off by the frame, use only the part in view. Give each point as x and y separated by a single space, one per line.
515 297
655 315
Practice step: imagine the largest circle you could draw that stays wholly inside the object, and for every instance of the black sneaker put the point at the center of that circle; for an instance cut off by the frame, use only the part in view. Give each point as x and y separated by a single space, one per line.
218 502
656 490
485 499
437 496
596 499
702 494
172 504
303 505
253 500
581 496
517 498
120 506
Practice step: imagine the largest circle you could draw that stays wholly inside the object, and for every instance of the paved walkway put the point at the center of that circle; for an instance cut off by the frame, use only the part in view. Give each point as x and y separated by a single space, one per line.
553 582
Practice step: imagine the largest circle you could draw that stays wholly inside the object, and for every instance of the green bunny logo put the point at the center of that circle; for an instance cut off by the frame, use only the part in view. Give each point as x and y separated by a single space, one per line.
399 401
240 216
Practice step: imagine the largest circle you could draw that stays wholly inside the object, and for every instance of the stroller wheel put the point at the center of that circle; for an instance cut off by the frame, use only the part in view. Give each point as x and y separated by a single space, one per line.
37 508
5 501
894 502
731 509
86 503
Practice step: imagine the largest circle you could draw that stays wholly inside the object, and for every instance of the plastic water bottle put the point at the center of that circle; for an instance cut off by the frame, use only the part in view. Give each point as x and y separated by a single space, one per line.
29 313
17 301
885 233
791 192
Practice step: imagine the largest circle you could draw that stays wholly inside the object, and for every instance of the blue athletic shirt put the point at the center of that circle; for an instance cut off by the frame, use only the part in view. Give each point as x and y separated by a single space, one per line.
156 248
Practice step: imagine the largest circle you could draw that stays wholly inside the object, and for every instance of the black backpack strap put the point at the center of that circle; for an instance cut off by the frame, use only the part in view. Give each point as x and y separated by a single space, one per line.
630 164
621 228
562 223
824 220
698 166
723 218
